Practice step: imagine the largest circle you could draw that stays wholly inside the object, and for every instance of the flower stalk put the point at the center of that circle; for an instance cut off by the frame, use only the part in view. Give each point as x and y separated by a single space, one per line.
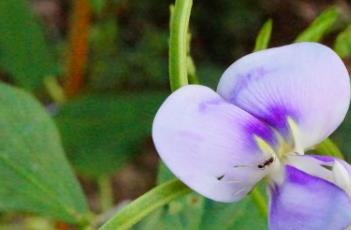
178 43
145 204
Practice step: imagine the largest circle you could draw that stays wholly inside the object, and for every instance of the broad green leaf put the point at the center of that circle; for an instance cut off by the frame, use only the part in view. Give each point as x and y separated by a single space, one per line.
23 52
320 26
34 173
264 36
101 133
342 43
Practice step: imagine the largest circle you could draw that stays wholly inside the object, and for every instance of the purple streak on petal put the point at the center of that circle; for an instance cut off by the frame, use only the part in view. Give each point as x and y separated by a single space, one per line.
306 202
279 116
327 159
244 80
203 106
296 176
306 81
254 127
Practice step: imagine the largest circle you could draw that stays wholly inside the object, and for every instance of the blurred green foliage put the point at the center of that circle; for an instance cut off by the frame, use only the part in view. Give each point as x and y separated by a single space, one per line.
24 53
102 132
320 26
342 43
342 137
130 51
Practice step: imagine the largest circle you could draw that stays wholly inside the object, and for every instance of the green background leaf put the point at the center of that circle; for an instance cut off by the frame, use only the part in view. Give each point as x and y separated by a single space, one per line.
342 43
264 36
320 26
23 51
101 133
34 173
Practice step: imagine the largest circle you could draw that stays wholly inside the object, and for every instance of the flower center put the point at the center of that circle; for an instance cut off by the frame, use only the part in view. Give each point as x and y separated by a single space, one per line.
276 158
288 151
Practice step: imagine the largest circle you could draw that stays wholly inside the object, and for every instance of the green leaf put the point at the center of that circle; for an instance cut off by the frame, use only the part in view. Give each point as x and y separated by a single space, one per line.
328 147
342 43
320 26
23 52
34 173
341 138
102 132
264 36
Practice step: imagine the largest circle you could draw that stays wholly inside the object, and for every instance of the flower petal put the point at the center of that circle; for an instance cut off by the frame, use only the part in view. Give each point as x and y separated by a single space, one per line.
307 202
307 82
334 170
210 144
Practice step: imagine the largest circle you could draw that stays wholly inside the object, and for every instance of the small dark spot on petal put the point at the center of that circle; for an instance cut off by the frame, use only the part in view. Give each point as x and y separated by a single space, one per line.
220 177
329 167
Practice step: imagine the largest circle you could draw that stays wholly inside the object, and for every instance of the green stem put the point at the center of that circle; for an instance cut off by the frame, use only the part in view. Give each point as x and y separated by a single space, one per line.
145 204
180 16
54 89
191 69
260 201
193 79
106 193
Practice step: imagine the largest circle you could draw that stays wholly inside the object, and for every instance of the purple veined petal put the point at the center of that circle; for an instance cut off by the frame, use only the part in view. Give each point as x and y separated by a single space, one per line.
307 202
307 82
209 144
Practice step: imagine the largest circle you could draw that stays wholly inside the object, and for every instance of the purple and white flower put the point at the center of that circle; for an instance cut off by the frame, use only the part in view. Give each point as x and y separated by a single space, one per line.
270 107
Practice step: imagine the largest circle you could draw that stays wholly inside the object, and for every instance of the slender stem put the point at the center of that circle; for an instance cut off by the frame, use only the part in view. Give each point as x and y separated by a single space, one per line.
54 89
145 204
191 69
106 193
78 46
193 79
180 16
260 201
